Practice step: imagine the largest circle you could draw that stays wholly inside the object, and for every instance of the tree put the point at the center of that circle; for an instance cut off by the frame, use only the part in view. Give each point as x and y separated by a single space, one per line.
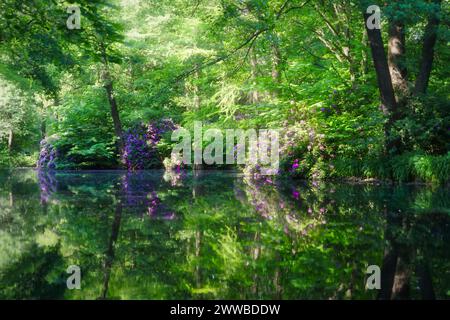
389 104
16 112
99 38
429 42
396 53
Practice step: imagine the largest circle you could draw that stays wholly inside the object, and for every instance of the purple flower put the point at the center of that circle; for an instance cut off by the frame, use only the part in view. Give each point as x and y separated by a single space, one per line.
295 165
47 156
141 142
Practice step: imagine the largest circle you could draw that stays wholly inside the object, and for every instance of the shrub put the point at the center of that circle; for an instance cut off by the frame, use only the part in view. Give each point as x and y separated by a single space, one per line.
140 144
432 169
24 160
4 158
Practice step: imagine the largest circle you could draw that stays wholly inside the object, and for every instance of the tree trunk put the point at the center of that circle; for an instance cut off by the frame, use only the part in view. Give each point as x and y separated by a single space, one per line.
198 245
43 129
347 49
388 273
406 255
389 266
396 56
429 43
277 278
108 85
276 64
388 102
256 250
110 253
196 89
382 70
114 111
10 140
254 94
365 57
401 288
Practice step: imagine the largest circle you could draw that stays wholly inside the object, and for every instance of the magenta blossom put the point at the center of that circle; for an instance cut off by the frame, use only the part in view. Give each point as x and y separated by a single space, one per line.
296 164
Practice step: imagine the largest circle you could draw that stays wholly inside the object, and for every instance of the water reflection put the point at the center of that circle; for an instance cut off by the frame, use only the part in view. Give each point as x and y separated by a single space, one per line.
159 235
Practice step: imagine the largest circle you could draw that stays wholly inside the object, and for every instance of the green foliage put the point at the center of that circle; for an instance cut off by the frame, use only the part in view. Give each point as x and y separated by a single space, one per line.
302 66
4 158
424 126
83 137
435 169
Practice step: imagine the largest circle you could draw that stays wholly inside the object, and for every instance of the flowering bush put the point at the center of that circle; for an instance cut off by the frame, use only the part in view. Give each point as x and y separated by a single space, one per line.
140 144
174 163
47 156
136 152
175 170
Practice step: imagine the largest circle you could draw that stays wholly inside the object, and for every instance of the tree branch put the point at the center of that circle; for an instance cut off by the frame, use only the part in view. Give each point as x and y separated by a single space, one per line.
224 57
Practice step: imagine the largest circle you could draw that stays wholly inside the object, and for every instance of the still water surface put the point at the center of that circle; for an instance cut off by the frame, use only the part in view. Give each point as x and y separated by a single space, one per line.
216 235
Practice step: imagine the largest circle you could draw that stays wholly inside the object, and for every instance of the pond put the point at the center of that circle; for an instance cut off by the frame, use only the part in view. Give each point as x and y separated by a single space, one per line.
218 235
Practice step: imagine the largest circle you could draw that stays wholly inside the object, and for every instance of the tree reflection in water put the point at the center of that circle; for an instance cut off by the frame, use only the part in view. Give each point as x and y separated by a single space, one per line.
155 235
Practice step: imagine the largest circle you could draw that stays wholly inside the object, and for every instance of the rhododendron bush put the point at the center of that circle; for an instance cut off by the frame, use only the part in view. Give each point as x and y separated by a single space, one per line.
141 144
